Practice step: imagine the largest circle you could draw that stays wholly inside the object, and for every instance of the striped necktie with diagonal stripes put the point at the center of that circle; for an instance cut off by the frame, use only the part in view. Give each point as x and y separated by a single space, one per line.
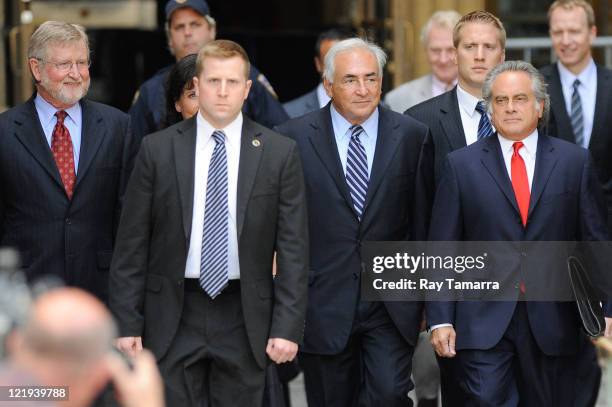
485 129
214 261
357 170
576 114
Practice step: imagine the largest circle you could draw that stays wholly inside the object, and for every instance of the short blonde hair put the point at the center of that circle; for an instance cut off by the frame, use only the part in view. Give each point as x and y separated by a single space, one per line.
479 16
222 49
570 4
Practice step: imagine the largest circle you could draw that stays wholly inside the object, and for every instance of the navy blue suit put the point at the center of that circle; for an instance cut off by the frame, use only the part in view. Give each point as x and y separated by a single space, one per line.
334 306
71 239
475 202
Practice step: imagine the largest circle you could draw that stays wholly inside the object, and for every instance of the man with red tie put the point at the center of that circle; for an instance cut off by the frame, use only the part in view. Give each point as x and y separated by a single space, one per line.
518 185
64 162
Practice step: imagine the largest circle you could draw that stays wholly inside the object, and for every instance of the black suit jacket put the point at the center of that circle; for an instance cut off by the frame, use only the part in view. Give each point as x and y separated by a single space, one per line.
336 234
600 144
148 270
71 239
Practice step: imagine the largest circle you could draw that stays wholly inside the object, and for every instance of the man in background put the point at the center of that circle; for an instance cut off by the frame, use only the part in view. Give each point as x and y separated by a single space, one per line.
189 27
317 98
437 39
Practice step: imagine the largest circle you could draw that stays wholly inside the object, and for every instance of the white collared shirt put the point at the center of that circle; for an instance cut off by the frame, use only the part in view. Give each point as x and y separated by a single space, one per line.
587 91
527 152
438 87
469 116
205 145
342 133
73 122
322 96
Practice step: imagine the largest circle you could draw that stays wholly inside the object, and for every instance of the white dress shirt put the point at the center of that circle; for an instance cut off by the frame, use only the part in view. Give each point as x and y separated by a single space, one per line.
528 153
587 91
205 145
322 96
469 116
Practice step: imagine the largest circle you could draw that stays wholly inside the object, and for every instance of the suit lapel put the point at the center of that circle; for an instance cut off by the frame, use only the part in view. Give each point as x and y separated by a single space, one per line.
250 156
92 135
602 104
324 143
30 133
493 161
450 119
386 146
546 160
184 146
563 123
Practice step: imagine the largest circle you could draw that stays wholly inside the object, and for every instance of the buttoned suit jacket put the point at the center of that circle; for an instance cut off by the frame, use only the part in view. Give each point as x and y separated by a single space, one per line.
68 238
336 235
148 271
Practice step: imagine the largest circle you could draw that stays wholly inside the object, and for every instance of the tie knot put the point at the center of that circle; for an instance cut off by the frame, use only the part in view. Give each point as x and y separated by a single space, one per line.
356 131
576 83
517 146
219 136
480 108
61 115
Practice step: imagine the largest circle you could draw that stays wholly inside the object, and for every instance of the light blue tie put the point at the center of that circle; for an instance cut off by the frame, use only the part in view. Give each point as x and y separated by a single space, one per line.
576 115
485 129
214 262
357 170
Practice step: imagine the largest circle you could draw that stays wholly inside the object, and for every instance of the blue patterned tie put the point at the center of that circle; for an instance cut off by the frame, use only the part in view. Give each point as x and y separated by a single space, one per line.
357 170
576 115
213 261
484 125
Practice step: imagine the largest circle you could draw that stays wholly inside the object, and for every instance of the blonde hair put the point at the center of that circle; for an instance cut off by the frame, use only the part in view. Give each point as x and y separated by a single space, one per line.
222 49
483 17
570 4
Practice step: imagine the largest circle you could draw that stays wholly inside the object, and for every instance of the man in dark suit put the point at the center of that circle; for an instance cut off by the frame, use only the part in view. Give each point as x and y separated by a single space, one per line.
316 98
456 119
579 113
506 188
64 162
360 162
210 202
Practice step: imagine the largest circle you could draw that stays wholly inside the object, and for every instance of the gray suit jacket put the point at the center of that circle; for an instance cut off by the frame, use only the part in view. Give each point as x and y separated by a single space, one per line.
409 94
304 104
148 270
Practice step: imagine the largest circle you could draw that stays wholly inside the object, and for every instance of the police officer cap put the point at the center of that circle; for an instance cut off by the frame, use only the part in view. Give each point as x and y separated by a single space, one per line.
198 5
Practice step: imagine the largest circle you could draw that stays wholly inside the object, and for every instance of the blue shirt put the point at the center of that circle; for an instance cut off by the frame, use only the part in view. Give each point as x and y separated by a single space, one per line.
73 121
343 136
587 91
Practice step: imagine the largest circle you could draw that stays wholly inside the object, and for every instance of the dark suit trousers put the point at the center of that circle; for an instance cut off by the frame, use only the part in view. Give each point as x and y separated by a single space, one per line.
373 371
210 362
515 372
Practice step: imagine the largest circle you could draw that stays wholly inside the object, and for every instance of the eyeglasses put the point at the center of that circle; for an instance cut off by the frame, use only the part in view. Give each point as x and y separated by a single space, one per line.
66 66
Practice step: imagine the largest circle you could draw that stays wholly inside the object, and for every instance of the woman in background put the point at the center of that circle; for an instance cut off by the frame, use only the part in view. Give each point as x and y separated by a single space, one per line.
181 93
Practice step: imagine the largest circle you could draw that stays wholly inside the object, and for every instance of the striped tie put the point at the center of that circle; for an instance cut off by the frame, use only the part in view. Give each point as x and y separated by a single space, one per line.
357 170
214 262
576 115
484 125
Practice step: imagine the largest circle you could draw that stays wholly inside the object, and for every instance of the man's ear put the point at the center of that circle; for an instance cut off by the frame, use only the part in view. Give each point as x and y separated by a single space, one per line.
328 88
35 67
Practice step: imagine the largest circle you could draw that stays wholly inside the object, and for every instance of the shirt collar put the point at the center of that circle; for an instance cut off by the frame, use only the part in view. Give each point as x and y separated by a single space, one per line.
207 130
370 125
530 143
442 86
46 111
467 101
586 77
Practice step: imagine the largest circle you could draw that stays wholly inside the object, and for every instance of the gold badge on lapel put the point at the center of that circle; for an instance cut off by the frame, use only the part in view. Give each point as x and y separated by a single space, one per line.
256 143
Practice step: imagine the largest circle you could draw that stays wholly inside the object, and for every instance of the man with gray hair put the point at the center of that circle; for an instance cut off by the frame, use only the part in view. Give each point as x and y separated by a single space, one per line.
506 188
64 163
360 161
437 40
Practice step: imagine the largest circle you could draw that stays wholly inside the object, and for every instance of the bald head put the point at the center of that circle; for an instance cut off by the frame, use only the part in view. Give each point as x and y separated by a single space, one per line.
69 324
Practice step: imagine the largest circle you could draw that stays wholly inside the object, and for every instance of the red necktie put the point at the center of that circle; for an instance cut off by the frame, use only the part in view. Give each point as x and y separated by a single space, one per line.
520 182
61 146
